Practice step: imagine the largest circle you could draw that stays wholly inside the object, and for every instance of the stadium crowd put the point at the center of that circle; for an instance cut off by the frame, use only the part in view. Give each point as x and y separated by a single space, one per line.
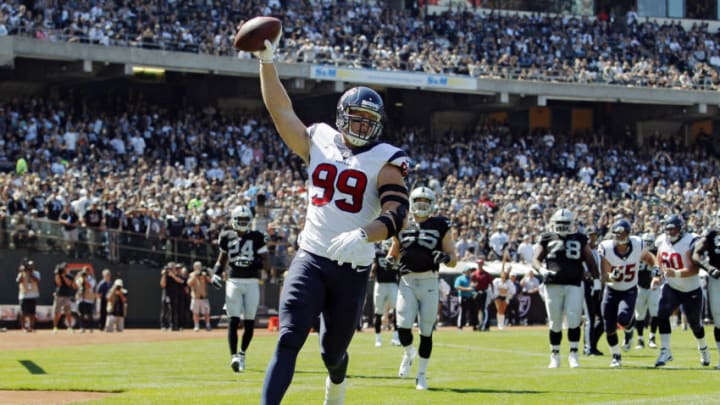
623 51
164 181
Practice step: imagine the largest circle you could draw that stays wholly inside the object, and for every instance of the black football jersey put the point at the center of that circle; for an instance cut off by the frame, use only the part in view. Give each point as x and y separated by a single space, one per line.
384 272
419 241
564 257
244 252
712 243
645 273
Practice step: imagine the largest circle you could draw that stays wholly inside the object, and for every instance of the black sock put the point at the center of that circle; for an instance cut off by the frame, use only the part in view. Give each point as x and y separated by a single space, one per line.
248 328
232 334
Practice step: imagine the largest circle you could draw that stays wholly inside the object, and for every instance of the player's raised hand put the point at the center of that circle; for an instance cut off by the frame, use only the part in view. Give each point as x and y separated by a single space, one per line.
216 281
440 257
267 55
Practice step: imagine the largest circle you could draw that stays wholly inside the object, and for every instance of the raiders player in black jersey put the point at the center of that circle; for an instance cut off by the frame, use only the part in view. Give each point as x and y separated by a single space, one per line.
421 247
707 256
648 297
245 252
560 262
385 292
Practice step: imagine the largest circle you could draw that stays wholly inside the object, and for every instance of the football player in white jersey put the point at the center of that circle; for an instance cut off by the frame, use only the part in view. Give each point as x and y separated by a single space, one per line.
357 196
682 287
709 245
419 249
620 263
559 260
648 296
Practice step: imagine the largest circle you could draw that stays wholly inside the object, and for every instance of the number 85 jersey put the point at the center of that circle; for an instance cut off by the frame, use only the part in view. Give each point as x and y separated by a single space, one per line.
343 192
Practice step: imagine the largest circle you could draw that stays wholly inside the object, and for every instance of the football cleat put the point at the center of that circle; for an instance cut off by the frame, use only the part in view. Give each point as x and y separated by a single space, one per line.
421 382
395 339
238 362
651 343
704 356
628 341
554 360
616 361
378 340
573 359
664 357
334 393
406 363
640 343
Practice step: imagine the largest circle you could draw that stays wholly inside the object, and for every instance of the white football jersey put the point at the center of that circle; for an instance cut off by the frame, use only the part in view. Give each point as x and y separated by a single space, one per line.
627 266
677 256
343 193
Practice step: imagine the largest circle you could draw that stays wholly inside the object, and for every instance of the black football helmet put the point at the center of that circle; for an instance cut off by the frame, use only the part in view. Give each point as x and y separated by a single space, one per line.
360 99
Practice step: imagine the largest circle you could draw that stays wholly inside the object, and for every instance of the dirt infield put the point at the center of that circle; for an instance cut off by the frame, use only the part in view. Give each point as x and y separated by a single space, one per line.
18 340
49 397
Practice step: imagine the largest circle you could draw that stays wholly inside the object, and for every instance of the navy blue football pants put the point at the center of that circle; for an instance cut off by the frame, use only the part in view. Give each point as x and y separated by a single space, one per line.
315 286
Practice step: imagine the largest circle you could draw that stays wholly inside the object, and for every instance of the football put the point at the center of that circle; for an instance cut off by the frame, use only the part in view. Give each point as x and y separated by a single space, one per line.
252 33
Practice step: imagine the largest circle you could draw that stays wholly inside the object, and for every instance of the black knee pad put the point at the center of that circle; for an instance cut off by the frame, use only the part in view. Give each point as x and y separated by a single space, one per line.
234 323
425 346
612 339
574 334
405 336
555 338
664 325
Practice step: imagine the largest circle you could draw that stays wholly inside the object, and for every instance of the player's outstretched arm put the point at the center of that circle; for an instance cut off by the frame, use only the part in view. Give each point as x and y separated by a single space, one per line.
278 104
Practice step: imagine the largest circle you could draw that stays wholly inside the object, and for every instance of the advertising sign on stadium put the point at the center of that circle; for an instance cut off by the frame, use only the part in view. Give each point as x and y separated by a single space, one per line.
398 79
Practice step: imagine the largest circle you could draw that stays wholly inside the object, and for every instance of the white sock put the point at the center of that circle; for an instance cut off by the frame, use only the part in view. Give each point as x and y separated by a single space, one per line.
574 346
615 349
377 336
665 340
408 349
718 345
555 348
701 342
422 365
501 321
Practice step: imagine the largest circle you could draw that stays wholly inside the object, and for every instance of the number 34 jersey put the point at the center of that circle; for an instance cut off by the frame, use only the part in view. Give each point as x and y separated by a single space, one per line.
343 192
625 267
244 252
564 257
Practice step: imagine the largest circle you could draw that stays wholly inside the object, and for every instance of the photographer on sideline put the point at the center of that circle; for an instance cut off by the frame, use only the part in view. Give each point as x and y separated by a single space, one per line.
28 294
101 290
116 307
199 303
86 298
64 292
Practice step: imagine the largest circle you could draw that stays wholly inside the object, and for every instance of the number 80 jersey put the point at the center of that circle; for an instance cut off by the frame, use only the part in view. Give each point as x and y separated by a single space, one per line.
564 257
343 192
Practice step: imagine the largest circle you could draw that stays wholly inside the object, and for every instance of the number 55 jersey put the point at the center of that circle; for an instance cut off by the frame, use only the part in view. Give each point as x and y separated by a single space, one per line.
343 192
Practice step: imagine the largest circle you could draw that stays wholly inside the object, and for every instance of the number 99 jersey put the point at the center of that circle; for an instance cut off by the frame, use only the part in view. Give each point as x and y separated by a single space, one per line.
564 257
343 192
244 252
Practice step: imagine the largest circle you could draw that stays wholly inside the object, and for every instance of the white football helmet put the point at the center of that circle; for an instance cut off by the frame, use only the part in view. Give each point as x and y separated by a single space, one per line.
240 218
648 240
561 222
422 208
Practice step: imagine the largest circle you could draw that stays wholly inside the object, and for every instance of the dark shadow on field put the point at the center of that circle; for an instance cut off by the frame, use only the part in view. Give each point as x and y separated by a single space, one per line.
32 367
485 391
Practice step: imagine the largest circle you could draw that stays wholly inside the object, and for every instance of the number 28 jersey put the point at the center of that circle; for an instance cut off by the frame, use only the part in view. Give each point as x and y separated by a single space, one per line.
564 257
343 192
243 252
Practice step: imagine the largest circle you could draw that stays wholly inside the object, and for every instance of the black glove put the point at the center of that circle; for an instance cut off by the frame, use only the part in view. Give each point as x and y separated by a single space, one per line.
216 281
714 273
440 257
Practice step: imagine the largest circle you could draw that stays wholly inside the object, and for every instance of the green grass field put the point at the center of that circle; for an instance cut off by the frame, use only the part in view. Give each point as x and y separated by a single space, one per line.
500 367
